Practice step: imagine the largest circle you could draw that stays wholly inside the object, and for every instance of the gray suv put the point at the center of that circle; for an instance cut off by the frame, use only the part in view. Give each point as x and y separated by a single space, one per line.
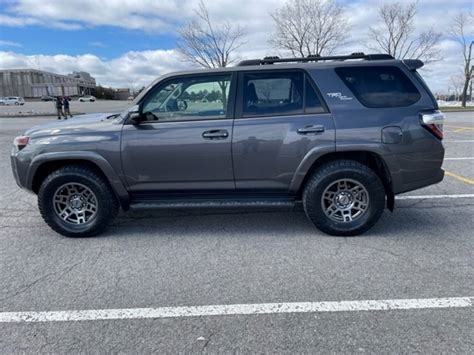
341 134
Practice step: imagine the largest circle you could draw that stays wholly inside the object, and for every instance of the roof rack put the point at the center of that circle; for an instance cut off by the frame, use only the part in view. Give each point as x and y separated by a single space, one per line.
314 58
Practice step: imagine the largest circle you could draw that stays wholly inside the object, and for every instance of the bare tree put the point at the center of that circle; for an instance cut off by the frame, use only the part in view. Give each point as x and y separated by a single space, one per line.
208 45
456 83
309 27
396 34
462 32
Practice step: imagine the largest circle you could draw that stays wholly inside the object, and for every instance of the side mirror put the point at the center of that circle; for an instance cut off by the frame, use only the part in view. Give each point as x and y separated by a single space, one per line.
134 114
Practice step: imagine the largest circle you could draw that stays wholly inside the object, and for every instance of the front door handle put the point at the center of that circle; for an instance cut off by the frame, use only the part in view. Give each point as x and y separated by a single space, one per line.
314 129
215 134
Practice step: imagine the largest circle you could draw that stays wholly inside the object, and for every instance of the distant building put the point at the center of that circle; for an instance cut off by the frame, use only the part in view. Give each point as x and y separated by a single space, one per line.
37 83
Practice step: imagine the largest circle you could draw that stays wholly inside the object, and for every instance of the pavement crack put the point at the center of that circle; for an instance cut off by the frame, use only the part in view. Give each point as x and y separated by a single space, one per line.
10 193
207 341
30 285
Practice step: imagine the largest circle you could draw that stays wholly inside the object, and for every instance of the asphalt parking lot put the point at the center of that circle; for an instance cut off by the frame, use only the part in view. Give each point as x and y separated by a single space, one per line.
422 251
48 107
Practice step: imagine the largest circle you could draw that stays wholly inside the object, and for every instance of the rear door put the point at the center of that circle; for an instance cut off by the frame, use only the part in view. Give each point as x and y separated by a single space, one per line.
184 144
280 118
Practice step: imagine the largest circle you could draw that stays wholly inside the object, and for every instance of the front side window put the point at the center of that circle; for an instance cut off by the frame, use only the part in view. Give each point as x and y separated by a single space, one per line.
188 98
380 86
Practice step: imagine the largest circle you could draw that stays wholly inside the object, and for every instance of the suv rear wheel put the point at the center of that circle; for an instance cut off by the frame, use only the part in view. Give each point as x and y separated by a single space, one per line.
75 201
344 198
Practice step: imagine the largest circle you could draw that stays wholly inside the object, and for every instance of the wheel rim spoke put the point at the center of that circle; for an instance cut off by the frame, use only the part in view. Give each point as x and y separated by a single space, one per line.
75 203
345 200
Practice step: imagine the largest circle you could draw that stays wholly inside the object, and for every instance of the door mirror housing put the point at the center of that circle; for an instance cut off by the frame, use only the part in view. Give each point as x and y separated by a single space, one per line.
134 114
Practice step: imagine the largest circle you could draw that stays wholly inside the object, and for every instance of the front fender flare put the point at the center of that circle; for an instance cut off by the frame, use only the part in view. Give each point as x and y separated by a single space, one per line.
115 182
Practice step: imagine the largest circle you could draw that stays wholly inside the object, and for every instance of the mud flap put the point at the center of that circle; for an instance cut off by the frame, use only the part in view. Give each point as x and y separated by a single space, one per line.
390 201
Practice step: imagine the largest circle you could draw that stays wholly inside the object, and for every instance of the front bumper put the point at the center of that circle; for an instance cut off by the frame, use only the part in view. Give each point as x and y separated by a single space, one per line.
19 168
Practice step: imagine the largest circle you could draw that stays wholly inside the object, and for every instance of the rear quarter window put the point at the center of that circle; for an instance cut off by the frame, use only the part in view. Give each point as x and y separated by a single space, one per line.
380 86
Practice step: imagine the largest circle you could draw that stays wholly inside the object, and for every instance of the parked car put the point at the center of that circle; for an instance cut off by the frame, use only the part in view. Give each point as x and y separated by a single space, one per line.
87 98
12 100
342 135
48 98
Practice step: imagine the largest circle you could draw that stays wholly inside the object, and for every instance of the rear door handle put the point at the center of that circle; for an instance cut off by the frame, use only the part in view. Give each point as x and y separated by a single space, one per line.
311 129
215 134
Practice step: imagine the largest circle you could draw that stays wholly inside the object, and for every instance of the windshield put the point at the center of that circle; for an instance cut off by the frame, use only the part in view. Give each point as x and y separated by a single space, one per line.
145 91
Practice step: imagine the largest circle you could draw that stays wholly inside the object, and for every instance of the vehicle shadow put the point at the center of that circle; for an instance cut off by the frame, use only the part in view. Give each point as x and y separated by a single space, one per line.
409 220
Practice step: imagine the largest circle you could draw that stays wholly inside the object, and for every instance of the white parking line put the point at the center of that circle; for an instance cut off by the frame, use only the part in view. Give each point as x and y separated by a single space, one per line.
461 158
236 309
417 197
460 141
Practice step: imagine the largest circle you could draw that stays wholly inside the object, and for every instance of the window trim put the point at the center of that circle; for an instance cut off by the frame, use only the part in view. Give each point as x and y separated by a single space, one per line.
230 100
340 76
306 76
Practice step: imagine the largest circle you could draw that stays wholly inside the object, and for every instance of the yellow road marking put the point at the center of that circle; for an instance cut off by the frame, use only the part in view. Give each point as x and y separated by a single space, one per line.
460 178
459 130
456 126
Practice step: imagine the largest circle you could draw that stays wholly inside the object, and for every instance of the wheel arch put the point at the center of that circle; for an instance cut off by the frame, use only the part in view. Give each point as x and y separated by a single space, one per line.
371 159
43 165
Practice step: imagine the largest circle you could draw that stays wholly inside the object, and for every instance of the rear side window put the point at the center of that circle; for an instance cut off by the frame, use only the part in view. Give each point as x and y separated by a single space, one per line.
384 86
313 103
279 93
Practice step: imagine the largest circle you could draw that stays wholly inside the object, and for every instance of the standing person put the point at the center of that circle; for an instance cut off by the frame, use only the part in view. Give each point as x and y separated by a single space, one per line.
59 107
66 107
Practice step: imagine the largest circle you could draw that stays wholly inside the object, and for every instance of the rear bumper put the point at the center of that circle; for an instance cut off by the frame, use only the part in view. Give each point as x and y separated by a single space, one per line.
436 178
411 171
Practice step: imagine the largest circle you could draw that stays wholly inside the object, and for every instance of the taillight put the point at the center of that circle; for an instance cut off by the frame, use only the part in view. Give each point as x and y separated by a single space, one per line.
433 122
21 141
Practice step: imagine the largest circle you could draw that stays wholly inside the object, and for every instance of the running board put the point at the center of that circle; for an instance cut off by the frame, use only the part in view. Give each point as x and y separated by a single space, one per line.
196 203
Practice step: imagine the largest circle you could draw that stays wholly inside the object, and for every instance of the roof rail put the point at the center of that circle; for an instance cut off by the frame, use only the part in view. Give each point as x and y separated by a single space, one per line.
314 58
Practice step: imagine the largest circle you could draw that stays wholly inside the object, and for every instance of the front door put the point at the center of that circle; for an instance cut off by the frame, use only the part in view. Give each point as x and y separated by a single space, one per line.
184 140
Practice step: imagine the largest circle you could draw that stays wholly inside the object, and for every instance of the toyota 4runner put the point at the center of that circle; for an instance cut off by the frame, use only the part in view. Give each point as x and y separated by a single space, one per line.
341 134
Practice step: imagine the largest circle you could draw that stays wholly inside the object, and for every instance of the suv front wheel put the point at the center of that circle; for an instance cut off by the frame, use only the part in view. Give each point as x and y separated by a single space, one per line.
75 201
344 198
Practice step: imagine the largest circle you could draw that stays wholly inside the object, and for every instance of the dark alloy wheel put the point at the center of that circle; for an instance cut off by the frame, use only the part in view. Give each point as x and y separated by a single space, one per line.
76 201
344 198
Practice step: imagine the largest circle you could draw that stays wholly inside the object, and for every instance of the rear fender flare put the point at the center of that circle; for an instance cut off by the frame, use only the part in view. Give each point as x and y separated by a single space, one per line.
308 161
390 165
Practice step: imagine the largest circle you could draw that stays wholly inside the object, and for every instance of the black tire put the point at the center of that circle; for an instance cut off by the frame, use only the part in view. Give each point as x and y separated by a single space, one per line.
327 176
106 201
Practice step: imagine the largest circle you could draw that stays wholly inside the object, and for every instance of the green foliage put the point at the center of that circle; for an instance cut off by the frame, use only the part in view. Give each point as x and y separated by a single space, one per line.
104 93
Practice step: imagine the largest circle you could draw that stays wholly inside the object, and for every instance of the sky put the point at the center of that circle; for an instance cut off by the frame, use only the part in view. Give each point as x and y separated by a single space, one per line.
129 43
